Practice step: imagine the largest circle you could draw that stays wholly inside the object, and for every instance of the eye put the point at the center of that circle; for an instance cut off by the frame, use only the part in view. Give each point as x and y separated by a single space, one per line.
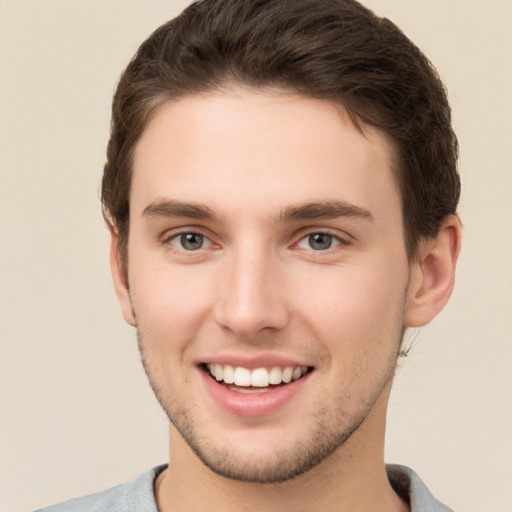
319 241
190 241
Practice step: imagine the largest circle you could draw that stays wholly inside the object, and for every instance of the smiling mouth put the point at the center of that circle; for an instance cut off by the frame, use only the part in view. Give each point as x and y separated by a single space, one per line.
257 380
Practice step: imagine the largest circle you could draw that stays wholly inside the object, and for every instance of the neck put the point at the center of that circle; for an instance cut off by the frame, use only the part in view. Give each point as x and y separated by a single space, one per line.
353 478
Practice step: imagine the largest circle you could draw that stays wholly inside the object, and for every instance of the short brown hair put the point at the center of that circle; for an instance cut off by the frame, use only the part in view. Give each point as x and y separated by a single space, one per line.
336 50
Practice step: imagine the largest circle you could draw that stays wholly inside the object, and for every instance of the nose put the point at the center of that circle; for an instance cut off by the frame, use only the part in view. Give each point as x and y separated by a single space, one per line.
250 295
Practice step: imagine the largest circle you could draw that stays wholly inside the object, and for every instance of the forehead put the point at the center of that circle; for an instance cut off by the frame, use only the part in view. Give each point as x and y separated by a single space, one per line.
255 150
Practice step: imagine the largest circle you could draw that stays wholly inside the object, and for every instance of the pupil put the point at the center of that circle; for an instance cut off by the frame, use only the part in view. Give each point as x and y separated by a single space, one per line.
320 241
191 241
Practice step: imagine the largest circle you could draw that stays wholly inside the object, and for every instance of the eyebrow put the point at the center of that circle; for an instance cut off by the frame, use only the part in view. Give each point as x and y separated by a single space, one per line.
323 210
304 211
171 208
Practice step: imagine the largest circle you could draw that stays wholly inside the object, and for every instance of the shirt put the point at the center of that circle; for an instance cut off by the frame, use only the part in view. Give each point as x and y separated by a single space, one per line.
138 496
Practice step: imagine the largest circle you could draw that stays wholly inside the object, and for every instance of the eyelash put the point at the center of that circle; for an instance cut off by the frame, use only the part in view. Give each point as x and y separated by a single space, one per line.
339 241
179 235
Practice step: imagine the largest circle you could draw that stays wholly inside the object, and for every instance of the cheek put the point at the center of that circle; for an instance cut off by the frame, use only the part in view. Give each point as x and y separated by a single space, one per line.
169 303
355 307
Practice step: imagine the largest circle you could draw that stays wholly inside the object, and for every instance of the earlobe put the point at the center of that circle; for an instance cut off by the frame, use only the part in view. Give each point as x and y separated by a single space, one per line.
120 279
433 274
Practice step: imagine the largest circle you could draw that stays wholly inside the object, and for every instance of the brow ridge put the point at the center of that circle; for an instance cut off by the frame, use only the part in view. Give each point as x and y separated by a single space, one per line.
323 210
305 211
173 208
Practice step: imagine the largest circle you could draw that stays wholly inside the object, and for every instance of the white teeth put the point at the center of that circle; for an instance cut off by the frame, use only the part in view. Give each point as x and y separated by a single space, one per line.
258 377
242 377
274 377
287 374
229 374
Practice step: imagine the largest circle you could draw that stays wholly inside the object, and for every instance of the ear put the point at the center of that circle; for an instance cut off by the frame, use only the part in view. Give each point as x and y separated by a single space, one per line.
433 274
120 279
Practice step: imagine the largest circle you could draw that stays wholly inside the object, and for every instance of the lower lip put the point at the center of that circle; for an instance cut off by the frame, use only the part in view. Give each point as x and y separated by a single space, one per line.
252 404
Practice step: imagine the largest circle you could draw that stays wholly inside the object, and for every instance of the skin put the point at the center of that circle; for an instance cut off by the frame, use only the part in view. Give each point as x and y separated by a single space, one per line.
237 167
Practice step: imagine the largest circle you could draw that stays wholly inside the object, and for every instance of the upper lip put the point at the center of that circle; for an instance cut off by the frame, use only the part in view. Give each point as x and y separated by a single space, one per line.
252 362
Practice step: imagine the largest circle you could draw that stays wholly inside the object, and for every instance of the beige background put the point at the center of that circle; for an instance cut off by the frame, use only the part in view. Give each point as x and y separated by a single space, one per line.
76 413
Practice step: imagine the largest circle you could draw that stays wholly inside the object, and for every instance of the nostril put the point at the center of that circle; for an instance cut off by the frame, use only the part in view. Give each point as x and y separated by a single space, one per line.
249 302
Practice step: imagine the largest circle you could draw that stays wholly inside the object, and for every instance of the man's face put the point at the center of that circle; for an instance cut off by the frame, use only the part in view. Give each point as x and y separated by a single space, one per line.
266 243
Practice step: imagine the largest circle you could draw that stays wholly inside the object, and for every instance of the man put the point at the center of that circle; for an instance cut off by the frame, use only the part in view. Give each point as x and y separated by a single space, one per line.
281 190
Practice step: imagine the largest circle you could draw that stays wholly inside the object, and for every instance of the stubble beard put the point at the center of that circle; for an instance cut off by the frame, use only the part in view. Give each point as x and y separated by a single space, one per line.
285 464
323 438
326 436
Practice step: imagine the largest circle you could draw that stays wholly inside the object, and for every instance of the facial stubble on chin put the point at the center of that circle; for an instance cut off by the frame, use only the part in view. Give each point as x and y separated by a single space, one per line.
323 438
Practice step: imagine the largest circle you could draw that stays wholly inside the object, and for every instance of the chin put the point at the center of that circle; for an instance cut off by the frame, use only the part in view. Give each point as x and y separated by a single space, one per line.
260 461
